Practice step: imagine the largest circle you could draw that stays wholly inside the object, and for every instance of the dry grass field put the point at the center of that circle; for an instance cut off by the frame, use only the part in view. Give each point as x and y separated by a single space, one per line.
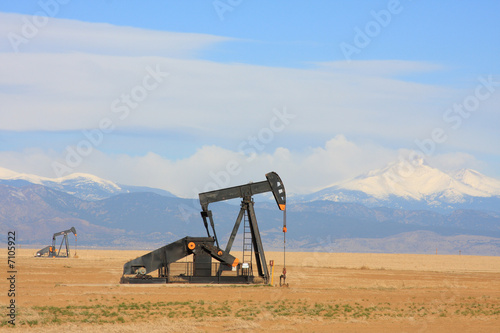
328 292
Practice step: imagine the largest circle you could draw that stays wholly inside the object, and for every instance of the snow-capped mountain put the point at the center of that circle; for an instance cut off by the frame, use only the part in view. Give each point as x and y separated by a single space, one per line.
476 180
37 211
416 186
82 185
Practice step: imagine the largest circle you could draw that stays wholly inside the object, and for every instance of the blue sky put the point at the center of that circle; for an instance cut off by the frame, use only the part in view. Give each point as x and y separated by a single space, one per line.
318 91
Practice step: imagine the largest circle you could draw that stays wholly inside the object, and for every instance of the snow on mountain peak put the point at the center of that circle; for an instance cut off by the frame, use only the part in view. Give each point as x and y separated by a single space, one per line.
418 181
6 173
82 177
488 185
12 175
84 185
85 177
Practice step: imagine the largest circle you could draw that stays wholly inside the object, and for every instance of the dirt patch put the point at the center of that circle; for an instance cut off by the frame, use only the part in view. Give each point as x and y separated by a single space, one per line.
327 292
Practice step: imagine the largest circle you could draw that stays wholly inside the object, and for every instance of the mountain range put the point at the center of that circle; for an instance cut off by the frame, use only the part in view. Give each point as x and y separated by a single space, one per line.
81 185
107 214
416 186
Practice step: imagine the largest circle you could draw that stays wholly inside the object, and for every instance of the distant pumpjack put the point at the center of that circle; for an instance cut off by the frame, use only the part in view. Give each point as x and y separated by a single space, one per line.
51 251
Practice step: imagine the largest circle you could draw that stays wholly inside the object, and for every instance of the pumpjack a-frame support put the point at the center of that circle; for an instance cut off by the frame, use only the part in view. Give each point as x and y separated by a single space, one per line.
258 249
272 184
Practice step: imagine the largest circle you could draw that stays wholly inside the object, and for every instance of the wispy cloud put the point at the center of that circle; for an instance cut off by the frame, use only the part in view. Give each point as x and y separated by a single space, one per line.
66 36
73 91
386 68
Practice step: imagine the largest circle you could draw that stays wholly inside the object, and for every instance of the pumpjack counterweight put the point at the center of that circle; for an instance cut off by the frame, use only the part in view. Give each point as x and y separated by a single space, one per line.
165 260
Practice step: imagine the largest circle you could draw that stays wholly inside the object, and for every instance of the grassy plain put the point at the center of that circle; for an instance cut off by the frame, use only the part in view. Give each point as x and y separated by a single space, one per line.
328 292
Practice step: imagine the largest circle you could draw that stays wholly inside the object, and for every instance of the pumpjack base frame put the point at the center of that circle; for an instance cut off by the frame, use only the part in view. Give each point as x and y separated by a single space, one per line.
50 257
191 279
202 270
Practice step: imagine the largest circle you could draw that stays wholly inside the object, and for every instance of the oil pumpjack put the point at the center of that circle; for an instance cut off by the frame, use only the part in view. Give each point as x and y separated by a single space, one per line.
228 269
51 250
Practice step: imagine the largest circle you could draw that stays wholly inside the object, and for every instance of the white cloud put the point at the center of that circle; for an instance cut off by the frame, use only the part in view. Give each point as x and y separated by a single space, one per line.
75 71
214 167
32 161
75 91
26 33
455 161
386 68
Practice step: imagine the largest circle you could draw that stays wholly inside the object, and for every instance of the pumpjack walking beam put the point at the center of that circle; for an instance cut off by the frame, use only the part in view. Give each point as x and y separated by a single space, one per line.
64 241
272 184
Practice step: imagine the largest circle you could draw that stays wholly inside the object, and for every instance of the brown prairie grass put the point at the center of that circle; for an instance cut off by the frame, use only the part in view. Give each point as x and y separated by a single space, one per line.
362 292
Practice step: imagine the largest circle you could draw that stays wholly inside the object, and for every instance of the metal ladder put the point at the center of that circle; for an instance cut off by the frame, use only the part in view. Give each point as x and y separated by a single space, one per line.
247 244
